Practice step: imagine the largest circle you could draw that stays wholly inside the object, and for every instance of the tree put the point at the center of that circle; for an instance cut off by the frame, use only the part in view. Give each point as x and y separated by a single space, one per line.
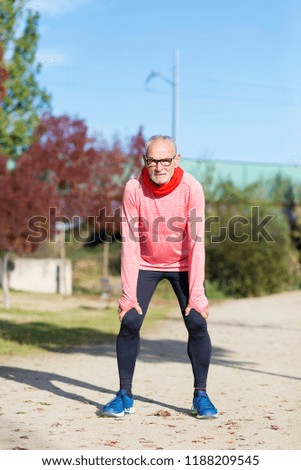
3 77
284 194
248 248
24 100
21 100
64 176
62 156
87 176
135 152
25 197
111 168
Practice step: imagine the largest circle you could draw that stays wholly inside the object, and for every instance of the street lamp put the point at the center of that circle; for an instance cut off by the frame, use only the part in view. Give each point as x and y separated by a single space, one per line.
175 90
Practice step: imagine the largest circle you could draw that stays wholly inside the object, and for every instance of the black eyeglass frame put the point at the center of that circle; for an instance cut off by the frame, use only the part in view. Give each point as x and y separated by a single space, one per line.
153 162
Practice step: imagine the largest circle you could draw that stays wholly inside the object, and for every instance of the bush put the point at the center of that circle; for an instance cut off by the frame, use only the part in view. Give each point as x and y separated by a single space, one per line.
249 250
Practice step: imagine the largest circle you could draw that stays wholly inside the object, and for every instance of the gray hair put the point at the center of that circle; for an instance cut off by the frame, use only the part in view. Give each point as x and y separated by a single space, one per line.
160 137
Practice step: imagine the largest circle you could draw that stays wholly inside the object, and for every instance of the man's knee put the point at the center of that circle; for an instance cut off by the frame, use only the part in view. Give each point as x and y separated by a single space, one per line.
195 323
132 321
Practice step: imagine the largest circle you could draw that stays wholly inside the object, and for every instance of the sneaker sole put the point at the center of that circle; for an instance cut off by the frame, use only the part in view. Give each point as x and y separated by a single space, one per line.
195 413
129 411
111 414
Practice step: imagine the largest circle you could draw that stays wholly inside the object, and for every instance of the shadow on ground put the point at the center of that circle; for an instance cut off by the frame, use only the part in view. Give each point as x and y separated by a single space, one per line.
152 351
51 337
49 382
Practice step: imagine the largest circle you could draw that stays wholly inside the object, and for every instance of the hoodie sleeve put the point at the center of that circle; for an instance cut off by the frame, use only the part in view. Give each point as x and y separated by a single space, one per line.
130 250
196 261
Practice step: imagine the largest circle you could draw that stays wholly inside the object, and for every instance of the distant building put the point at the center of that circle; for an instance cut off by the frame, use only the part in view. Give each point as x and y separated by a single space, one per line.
242 174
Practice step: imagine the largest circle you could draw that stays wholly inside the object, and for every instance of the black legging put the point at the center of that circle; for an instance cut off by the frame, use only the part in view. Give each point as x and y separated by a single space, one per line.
128 340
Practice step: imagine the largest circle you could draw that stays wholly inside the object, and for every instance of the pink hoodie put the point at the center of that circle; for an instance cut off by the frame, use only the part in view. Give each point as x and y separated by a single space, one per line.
163 233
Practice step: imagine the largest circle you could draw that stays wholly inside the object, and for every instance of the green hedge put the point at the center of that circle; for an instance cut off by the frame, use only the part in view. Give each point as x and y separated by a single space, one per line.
249 250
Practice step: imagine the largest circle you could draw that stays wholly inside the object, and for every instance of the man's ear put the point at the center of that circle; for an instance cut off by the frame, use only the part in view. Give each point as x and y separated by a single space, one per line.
177 159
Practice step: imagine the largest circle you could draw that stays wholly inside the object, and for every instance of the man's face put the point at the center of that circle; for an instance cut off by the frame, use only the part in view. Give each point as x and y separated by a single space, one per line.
158 150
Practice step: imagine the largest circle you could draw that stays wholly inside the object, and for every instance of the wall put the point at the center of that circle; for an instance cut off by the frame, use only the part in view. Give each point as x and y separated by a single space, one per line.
42 275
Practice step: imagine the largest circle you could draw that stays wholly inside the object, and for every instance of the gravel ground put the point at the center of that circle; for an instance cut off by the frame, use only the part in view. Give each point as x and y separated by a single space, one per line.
53 400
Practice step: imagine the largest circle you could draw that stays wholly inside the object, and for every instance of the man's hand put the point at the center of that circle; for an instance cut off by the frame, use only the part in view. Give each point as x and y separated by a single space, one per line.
204 313
121 312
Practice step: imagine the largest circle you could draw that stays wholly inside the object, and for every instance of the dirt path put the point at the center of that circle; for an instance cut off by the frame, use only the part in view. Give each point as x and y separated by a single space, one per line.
52 401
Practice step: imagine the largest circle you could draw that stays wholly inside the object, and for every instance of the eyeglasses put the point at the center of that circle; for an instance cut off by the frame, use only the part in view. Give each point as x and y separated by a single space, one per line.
151 162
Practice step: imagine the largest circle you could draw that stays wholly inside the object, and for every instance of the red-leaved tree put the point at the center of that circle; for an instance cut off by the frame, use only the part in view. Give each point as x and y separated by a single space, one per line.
87 176
23 197
64 176
61 156
3 76
111 168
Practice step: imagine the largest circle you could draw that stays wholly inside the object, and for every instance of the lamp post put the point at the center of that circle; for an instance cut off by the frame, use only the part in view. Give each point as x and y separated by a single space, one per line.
175 90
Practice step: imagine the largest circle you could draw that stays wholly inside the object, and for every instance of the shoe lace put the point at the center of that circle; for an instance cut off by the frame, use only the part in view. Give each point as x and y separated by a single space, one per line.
115 400
205 400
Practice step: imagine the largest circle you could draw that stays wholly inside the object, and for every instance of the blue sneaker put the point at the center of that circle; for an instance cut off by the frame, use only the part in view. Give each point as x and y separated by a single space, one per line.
121 405
202 406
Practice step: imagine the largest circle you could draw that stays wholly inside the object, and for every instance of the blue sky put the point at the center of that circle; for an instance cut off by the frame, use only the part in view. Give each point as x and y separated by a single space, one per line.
239 71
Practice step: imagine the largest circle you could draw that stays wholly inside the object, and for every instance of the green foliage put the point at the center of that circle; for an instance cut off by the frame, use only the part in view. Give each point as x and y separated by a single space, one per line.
282 191
24 99
252 235
288 196
249 250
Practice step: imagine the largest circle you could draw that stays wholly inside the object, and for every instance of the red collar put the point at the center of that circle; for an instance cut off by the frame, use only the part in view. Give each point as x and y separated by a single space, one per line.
165 188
